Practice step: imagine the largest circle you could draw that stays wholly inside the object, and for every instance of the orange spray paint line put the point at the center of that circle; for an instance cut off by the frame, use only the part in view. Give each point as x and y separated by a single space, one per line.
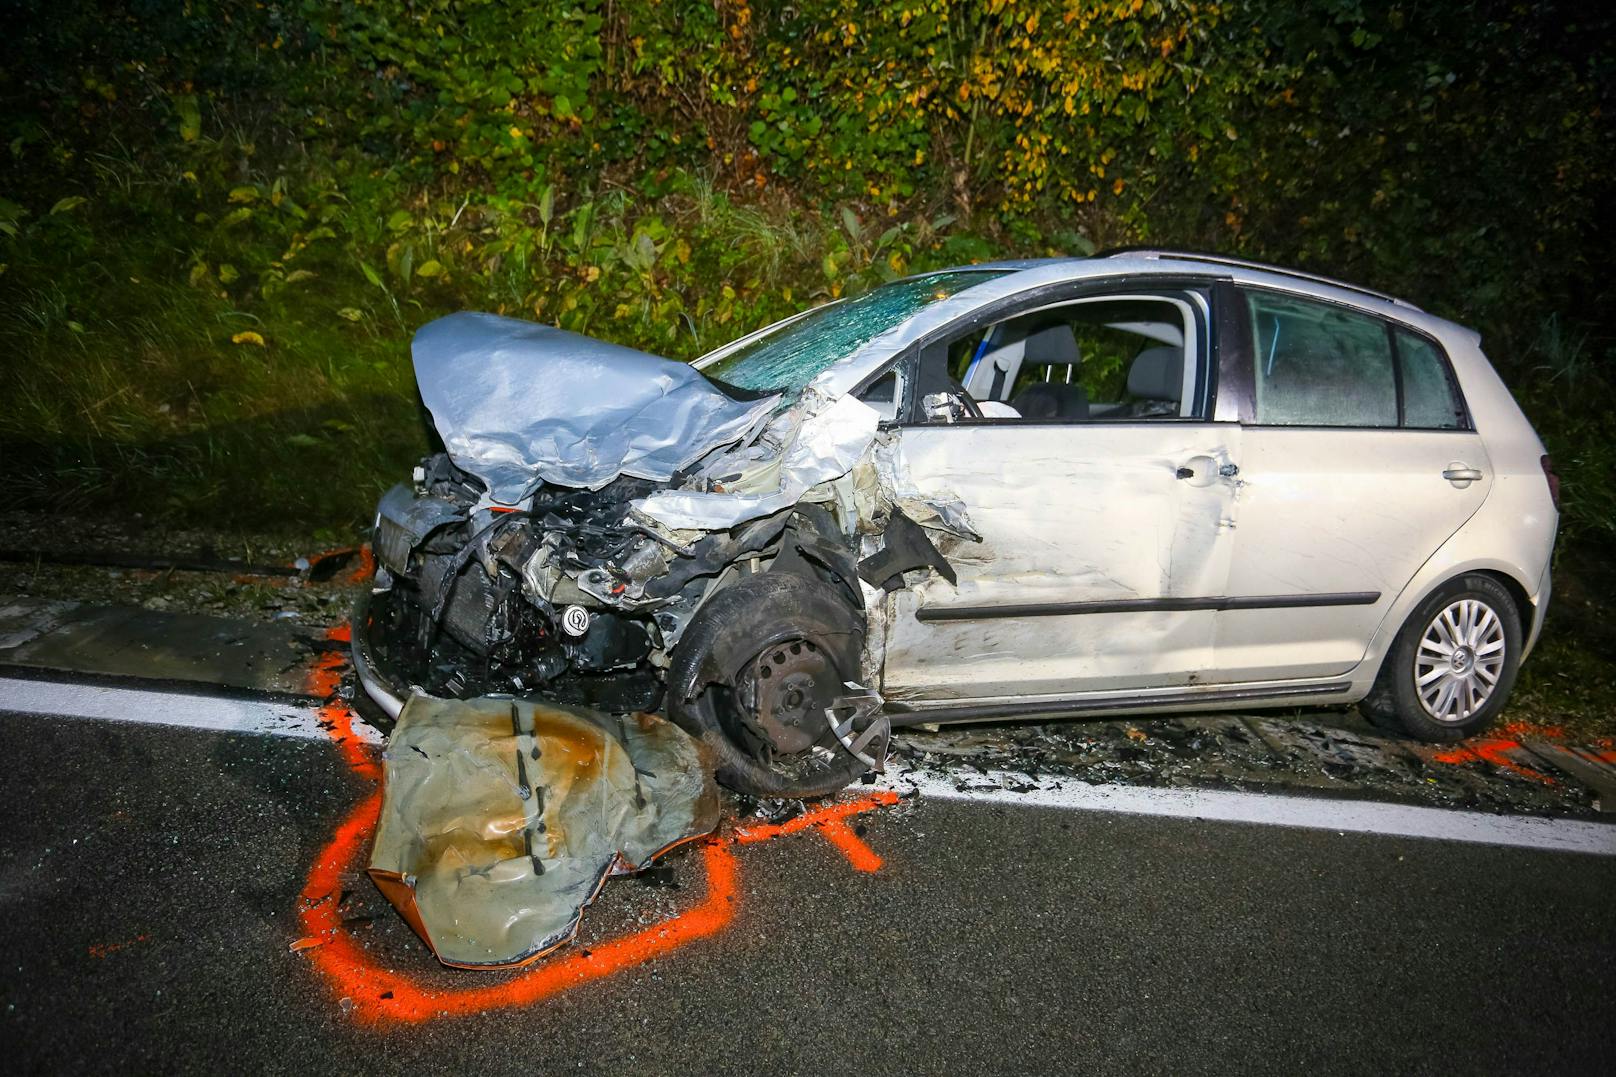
1494 750
380 995
831 821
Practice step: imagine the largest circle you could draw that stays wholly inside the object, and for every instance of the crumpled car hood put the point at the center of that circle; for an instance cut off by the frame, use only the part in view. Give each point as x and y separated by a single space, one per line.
518 403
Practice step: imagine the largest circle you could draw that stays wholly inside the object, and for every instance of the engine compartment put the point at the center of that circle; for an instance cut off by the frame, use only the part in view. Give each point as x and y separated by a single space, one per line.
547 597
573 595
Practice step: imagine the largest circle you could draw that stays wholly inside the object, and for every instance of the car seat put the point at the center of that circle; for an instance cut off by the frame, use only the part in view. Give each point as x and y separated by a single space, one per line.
1053 346
1156 381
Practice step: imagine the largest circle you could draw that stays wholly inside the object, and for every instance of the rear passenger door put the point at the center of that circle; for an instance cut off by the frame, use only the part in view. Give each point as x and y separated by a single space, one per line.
1357 461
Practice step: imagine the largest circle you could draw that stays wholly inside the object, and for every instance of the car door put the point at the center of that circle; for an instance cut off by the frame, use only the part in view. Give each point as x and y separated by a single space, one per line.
1098 541
1357 461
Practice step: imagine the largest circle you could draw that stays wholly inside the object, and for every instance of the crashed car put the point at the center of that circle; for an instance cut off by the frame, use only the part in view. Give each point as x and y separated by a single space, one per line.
1140 482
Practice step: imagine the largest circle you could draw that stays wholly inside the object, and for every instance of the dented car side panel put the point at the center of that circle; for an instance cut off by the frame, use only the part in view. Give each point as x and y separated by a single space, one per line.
1080 525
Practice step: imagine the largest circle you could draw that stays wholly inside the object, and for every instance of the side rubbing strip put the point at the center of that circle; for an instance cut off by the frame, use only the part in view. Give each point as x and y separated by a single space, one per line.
1144 605
904 714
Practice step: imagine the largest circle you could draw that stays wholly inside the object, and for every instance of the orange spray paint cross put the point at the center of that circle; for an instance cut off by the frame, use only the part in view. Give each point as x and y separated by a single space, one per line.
380 994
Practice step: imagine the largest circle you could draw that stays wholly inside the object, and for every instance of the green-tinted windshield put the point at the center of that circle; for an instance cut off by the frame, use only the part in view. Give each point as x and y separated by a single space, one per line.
793 356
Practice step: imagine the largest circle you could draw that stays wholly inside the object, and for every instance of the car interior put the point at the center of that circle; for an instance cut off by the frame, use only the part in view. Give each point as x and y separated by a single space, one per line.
1095 360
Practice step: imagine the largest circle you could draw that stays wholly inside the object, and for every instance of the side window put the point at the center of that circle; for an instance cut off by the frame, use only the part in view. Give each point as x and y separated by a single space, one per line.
1118 358
884 395
1319 365
1430 400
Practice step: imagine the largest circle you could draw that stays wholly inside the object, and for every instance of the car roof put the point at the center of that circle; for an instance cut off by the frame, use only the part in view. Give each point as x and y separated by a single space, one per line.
1198 260
1007 278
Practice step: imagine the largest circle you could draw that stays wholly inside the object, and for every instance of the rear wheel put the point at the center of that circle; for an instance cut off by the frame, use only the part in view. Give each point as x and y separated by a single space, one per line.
753 676
1451 668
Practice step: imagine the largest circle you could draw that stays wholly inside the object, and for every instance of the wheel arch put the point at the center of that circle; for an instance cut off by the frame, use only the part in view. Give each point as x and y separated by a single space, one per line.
739 621
1524 606
1423 587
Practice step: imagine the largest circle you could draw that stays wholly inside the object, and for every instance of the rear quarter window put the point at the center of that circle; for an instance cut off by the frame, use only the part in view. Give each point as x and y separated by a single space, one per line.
1430 399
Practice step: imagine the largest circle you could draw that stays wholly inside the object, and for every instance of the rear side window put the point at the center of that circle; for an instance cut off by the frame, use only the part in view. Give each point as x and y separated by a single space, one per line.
1318 364
1430 401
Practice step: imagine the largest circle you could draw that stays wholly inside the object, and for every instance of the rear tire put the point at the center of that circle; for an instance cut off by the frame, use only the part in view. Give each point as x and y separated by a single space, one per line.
1450 670
798 625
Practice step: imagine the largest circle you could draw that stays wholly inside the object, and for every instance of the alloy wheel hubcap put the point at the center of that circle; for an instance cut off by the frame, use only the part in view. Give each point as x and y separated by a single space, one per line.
1460 659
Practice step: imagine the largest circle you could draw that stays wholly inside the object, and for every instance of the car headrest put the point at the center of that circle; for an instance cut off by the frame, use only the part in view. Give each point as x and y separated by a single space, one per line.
1052 400
1157 374
1053 345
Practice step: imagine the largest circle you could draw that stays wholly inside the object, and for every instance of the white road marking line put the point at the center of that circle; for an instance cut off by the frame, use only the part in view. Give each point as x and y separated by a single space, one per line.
1217 805
117 704
1271 809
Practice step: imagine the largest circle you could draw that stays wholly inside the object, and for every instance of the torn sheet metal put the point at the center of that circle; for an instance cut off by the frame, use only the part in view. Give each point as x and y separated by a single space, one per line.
831 437
905 548
517 403
502 818
411 519
882 486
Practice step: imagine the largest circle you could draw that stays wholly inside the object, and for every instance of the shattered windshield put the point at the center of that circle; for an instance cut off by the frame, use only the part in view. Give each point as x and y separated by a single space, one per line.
796 354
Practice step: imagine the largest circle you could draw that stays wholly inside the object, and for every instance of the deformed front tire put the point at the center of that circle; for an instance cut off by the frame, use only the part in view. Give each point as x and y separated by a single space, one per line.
752 676
1450 670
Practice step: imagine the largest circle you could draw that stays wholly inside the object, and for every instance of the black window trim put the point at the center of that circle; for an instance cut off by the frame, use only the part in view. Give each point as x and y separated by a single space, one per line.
1238 373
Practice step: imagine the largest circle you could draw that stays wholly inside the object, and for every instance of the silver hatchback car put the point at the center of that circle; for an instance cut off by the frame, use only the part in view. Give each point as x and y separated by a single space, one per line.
1142 482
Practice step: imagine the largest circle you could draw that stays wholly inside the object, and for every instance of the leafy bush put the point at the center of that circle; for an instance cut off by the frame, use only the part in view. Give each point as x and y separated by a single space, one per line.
220 221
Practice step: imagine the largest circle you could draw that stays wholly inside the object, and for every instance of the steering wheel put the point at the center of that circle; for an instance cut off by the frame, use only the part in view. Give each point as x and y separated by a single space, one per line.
971 409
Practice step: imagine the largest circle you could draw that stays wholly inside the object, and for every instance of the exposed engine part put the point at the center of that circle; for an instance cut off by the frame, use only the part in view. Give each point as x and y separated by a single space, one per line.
575 621
547 597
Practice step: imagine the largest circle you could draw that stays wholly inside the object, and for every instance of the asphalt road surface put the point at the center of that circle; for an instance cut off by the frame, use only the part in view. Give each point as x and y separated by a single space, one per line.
151 880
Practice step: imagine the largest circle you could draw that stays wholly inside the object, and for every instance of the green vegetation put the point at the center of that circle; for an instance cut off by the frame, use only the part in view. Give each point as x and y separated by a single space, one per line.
220 220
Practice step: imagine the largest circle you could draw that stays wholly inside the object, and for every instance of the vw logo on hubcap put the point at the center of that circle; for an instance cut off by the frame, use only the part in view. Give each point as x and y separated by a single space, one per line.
1459 661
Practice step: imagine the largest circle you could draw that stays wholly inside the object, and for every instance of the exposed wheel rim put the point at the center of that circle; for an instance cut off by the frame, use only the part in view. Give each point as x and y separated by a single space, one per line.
789 685
1459 661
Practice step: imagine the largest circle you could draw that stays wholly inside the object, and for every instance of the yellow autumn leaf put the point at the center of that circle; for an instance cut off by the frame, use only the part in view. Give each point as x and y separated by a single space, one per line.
248 337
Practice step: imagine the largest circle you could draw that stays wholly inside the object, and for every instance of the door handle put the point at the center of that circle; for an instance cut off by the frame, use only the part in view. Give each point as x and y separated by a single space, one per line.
1202 470
1461 474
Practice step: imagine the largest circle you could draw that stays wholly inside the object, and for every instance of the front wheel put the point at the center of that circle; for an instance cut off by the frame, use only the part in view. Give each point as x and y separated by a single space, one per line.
753 676
1451 668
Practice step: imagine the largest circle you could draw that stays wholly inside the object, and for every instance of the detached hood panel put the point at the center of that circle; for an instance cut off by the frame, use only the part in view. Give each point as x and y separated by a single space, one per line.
518 403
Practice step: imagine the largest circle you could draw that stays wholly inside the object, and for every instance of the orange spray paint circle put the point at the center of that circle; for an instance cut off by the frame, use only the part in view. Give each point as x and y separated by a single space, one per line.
380 995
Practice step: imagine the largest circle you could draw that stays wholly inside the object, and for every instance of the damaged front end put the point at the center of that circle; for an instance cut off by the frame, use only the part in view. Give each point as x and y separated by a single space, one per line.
550 597
593 506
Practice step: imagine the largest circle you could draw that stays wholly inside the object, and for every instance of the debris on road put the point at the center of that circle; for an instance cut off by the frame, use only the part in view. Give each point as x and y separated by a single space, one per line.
1328 753
501 818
